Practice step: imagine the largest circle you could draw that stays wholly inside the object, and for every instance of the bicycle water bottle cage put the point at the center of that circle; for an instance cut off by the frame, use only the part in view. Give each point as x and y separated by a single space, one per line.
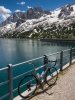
42 74
38 75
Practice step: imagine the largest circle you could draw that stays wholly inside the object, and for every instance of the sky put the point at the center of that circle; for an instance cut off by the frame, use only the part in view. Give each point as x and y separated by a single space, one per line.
7 7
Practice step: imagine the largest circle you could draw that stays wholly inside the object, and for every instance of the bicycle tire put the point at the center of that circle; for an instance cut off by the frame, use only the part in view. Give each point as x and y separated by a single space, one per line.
32 85
50 78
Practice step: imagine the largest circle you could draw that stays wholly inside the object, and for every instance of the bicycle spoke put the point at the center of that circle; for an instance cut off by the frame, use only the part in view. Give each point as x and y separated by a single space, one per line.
29 83
51 79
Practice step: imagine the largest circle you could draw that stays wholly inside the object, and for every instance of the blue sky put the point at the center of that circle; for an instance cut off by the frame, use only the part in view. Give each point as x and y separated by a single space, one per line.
7 7
46 4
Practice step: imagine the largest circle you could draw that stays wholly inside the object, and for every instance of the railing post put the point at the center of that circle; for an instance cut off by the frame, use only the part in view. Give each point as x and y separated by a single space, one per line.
61 61
45 62
10 84
70 56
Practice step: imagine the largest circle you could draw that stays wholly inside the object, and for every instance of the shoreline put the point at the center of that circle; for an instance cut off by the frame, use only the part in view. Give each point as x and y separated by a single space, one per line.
58 40
48 40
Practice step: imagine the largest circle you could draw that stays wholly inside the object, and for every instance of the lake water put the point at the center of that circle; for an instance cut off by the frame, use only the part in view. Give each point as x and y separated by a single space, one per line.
17 50
14 51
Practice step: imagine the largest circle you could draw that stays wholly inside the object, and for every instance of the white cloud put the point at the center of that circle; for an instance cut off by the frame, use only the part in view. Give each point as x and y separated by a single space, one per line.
23 11
1 18
21 3
29 7
5 13
4 10
5 16
18 10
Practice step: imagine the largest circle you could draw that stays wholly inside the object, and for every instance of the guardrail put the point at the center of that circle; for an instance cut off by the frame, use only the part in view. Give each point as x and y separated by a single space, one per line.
63 57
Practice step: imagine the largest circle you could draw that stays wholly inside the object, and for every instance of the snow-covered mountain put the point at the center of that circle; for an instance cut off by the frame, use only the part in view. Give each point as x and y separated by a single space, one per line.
39 23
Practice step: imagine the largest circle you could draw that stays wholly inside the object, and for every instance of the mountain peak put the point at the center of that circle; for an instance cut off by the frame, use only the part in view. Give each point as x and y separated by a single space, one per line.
32 13
65 11
36 20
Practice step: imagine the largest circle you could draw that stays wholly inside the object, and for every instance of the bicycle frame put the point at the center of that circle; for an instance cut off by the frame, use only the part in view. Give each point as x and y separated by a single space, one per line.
42 78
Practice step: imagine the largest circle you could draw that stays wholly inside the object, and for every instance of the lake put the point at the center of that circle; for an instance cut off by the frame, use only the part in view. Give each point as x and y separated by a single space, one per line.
14 51
17 50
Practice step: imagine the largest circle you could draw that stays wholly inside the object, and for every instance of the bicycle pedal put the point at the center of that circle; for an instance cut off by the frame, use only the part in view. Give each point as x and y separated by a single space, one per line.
29 89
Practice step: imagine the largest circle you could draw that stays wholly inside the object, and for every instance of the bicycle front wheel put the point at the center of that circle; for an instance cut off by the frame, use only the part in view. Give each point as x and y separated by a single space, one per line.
51 76
27 86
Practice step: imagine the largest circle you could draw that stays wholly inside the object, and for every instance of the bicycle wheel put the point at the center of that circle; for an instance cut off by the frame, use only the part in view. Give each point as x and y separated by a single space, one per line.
51 76
29 85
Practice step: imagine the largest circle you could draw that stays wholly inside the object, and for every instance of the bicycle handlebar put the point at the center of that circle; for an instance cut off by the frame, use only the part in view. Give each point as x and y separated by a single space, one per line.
46 60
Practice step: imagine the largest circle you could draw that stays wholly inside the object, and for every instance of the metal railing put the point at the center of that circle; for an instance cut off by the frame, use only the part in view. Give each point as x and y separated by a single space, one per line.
68 54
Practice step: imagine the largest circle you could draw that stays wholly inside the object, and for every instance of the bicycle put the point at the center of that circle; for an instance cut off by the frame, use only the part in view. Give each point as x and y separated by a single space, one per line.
35 80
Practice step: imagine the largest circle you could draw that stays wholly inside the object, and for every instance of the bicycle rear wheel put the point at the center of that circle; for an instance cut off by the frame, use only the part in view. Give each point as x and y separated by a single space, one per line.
29 85
51 76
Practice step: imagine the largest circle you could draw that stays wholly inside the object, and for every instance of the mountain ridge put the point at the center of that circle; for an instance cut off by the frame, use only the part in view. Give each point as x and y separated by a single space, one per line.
31 13
37 23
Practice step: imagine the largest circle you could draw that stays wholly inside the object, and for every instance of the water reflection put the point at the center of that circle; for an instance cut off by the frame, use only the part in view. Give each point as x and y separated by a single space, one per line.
18 50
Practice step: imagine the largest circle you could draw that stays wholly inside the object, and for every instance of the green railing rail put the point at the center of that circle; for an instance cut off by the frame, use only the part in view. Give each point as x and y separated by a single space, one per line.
61 56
